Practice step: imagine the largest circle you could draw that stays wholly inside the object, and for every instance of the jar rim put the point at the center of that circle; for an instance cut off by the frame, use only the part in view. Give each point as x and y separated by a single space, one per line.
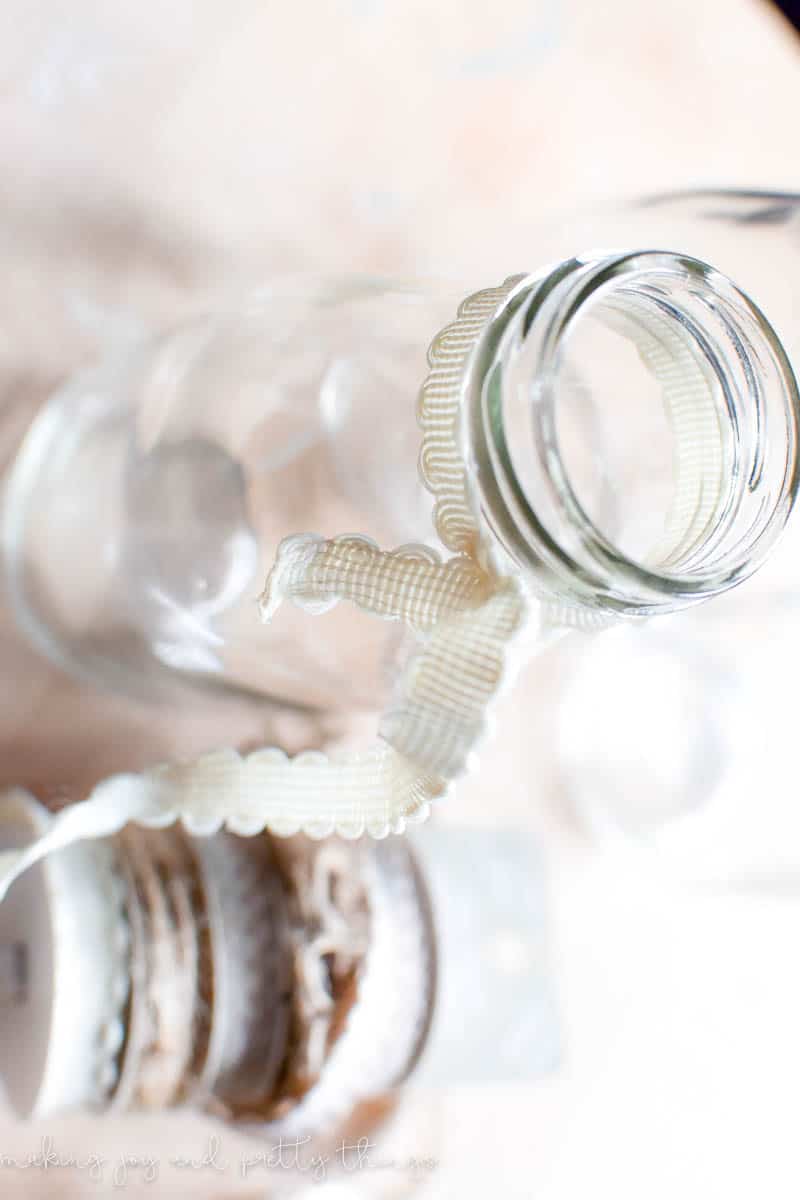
608 578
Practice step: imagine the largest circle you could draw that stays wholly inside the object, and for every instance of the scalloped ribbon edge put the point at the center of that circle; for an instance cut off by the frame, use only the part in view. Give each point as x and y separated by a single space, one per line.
441 465
467 620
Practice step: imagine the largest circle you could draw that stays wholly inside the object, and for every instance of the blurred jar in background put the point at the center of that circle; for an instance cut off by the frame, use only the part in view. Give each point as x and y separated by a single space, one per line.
679 738
629 427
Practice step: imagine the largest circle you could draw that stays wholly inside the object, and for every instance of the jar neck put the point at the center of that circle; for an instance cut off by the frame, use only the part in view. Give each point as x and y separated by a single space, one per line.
631 422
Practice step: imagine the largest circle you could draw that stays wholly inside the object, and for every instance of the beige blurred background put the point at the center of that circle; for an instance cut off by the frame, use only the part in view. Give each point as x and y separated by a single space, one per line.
153 156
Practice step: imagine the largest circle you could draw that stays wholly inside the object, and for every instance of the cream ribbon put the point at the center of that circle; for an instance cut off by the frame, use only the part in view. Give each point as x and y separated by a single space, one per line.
465 614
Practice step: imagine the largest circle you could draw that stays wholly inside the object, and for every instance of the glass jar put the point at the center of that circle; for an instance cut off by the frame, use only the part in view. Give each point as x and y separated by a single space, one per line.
627 423
175 470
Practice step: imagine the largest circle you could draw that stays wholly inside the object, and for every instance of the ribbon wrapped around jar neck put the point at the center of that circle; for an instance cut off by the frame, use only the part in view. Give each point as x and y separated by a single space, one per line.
470 613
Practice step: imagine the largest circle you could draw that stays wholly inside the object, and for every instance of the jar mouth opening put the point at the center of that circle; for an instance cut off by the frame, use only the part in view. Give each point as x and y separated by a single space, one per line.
714 365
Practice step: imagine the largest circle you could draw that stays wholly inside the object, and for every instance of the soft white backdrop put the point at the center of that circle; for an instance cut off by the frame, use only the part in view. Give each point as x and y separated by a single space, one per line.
152 154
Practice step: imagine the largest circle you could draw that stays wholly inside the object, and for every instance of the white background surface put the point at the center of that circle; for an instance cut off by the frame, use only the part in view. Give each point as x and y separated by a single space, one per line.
151 153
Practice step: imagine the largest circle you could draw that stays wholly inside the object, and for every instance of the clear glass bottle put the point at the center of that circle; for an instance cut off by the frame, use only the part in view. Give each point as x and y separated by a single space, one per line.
629 424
